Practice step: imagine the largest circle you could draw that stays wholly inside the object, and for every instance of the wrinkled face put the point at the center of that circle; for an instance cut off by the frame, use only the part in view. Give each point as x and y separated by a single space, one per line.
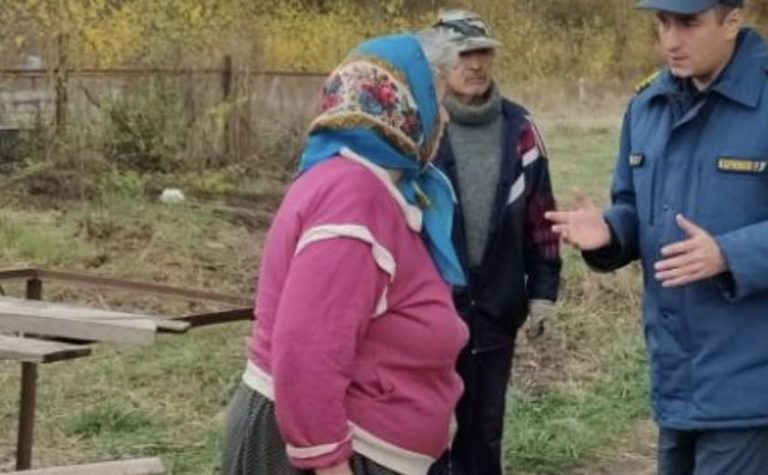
698 46
472 77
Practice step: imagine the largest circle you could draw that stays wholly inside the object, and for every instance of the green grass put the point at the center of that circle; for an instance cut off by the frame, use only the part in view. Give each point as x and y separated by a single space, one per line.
582 157
39 237
168 399
554 431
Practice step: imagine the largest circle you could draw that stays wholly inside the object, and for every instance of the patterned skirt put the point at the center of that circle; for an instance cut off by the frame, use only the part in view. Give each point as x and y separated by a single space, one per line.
252 444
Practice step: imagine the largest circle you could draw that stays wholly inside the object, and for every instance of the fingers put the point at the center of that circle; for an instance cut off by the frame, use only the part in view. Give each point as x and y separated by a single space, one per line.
684 280
689 227
680 260
690 271
564 231
682 247
559 217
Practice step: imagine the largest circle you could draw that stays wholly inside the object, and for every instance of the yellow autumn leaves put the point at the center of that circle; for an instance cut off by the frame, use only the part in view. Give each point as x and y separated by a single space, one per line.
596 39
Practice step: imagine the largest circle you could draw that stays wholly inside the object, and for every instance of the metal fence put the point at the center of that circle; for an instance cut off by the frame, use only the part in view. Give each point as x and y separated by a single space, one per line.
220 110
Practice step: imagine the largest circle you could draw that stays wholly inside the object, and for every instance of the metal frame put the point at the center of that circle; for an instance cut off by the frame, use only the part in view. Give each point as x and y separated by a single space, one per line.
34 291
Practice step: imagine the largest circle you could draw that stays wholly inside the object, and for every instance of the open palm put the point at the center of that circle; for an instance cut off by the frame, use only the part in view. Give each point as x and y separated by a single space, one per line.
583 227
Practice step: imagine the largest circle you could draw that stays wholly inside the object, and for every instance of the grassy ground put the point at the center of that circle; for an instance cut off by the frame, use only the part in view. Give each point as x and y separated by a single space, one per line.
574 391
586 384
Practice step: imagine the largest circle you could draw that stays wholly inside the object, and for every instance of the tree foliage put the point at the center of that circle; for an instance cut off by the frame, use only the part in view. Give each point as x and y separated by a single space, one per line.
542 38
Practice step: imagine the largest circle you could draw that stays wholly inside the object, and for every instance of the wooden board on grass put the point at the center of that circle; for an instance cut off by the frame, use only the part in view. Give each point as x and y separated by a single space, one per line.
79 323
29 350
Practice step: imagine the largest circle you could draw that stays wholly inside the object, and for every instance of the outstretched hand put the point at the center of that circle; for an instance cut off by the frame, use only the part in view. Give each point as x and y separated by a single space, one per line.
583 227
696 258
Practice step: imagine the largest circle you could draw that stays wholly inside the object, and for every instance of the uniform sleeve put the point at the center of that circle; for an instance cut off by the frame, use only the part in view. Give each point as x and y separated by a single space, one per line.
746 254
542 246
621 216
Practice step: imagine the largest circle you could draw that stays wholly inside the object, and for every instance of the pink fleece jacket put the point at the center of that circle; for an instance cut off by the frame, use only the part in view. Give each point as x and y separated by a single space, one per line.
356 336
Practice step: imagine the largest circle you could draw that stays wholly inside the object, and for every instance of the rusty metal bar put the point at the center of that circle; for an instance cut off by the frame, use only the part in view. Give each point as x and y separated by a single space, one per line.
157 289
213 318
28 396
16 274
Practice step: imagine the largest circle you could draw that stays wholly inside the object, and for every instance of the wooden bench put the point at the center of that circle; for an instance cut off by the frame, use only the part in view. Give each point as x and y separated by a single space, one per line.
28 350
41 323
146 466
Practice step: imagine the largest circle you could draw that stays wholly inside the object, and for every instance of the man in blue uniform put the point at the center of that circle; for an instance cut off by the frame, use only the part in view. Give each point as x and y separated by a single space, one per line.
690 200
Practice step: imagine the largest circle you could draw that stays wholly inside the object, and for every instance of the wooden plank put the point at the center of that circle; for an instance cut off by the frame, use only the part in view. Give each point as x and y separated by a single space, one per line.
83 313
29 350
59 320
172 326
146 466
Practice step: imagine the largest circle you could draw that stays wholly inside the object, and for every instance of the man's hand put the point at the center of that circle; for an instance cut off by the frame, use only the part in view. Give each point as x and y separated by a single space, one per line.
540 314
584 228
696 258
340 469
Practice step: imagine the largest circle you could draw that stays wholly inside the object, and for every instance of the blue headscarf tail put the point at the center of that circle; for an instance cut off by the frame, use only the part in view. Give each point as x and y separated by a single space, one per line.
363 122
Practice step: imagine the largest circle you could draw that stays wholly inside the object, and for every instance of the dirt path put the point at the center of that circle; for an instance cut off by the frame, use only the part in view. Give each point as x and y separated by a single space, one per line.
633 454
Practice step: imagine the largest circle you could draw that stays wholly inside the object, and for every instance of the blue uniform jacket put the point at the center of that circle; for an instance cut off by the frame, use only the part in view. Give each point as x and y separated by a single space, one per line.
704 155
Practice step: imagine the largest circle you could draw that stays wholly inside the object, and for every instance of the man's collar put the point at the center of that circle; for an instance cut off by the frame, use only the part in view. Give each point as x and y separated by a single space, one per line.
741 80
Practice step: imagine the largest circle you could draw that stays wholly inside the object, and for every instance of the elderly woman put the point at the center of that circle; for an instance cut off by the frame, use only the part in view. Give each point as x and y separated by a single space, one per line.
351 363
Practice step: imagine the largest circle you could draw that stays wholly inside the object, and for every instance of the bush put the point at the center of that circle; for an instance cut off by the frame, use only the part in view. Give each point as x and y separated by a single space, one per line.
143 134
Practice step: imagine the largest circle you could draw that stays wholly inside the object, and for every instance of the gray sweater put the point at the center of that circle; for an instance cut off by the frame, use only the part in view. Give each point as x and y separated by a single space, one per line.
475 136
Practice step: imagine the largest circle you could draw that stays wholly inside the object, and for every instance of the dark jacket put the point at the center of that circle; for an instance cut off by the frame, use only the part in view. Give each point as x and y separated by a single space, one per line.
521 261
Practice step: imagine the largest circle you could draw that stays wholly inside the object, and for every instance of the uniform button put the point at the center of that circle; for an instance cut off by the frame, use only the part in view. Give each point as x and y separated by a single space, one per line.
666 207
473 303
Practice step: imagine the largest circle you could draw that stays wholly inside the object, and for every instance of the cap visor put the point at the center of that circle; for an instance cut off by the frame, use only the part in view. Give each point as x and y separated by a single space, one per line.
472 44
682 7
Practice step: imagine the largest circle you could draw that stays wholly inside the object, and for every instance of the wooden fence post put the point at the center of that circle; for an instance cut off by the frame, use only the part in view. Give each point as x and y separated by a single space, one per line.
226 78
227 82
61 84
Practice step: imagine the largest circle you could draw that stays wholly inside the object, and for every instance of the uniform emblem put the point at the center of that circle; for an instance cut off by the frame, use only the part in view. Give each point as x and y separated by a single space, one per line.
636 160
646 82
741 165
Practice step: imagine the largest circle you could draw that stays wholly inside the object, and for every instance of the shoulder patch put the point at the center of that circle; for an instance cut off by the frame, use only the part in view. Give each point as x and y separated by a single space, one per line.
647 81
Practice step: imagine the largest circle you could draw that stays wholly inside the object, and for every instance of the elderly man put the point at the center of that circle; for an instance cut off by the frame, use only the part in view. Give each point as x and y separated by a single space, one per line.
690 200
495 158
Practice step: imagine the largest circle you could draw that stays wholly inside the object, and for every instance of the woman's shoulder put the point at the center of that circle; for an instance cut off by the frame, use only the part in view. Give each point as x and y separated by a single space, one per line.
340 178
341 189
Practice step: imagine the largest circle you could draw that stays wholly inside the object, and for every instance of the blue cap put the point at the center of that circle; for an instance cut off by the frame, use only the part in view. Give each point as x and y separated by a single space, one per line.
686 7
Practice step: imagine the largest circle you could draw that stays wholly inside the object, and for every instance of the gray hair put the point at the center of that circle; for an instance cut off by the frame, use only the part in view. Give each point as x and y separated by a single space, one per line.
440 47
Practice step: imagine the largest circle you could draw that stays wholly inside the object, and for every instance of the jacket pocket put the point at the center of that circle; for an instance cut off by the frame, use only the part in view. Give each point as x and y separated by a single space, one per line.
732 192
644 185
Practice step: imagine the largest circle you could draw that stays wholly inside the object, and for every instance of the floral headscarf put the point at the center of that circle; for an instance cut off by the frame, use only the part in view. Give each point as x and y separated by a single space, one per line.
381 103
